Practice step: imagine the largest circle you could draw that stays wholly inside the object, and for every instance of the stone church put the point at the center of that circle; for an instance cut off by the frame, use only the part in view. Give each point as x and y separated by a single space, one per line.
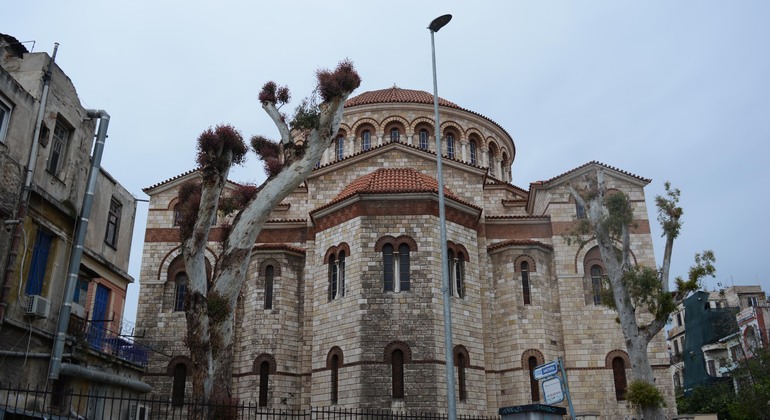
343 305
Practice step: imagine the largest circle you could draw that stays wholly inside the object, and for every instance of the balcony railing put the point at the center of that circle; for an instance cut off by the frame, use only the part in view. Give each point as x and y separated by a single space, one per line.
98 336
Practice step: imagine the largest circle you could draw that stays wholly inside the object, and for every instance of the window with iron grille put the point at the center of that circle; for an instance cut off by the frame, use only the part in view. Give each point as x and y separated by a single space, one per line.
61 135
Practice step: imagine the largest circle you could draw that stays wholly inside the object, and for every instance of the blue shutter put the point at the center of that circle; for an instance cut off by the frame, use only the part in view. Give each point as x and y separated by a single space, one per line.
39 261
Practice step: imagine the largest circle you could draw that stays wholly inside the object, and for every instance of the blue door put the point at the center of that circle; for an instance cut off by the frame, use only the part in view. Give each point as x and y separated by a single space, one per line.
99 317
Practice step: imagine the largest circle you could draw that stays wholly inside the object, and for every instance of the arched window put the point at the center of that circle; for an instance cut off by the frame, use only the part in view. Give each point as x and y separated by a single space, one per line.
473 152
492 161
580 211
596 283
340 147
335 378
450 145
264 380
619 376
177 388
534 386
463 393
180 287
424 139
525 283
395 134
366 140
395 268
333 273
456 264
177 214
397 368
269 274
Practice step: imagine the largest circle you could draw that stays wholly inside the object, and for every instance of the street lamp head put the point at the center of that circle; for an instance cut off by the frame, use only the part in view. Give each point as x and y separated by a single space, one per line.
439 22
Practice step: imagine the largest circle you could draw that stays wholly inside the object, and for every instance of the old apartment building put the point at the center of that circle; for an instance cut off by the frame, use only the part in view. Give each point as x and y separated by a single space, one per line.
48 154
343 306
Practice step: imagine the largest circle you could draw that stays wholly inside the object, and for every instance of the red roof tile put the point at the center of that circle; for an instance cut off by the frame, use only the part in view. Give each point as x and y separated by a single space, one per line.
392 180
396 94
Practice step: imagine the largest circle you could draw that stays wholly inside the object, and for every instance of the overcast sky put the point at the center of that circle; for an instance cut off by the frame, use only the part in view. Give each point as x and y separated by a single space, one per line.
668 90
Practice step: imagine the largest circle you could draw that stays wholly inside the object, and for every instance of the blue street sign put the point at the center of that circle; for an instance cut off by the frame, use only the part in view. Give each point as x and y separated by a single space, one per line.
546 370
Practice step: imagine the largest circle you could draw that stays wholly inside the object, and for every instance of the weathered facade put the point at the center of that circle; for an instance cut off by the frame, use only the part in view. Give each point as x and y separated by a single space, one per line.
34 266
343 304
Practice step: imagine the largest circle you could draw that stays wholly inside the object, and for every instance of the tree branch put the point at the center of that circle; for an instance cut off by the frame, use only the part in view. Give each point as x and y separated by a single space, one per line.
280 123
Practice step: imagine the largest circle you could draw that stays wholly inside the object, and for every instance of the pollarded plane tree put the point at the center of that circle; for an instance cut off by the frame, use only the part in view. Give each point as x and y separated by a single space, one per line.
631 288
210 303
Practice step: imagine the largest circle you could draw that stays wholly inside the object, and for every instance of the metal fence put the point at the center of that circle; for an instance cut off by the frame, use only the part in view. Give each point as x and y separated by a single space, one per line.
18 403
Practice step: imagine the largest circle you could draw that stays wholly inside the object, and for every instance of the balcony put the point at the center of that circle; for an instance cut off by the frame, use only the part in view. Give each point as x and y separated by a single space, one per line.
98 336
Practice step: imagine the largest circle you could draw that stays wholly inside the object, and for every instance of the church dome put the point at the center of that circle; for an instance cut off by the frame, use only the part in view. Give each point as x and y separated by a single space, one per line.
396 94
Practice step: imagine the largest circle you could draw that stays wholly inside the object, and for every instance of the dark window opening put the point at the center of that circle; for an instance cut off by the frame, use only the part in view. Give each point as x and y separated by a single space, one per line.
534 385
177 389
335 379
619 377
525 283
462 391
180 286
269 273
264 379
596 284
397 367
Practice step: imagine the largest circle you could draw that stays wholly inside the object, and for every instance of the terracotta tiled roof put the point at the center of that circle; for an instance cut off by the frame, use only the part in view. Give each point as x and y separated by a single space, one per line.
280 247
396 94
183 174
519 242
392 180
593 162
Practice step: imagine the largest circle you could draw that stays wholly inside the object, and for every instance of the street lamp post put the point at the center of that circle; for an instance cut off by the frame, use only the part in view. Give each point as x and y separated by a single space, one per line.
434 27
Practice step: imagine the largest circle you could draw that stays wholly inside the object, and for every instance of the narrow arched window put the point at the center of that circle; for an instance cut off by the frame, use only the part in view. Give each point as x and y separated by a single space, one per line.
366 140
388 268
459 283
264 380
450 145
525 283
596 283
463 393
534 386
177 388
177 214
473 152
180 290
333 277
395 134
403 265
424 139
397 368
335 378
340 147
619 376
341 274
492 162
450 254
580 211
269 274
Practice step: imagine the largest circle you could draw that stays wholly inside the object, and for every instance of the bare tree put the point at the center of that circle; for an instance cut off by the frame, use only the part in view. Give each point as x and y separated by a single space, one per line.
609 221
210 303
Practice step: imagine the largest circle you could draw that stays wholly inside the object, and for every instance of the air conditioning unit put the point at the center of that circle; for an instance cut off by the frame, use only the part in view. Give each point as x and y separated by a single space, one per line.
139 412
78 311
38 306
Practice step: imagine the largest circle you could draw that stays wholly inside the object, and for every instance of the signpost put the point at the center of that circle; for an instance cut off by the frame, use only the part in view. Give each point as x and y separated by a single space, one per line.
553 390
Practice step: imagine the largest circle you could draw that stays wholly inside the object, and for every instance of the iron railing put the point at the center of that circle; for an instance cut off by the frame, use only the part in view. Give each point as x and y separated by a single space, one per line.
23 403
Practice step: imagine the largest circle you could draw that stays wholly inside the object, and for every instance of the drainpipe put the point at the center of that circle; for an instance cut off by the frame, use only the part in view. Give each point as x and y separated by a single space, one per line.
21 212
78 243
105 378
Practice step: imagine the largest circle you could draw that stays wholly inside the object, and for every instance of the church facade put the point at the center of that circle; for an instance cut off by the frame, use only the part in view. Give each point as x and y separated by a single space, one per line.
343 305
